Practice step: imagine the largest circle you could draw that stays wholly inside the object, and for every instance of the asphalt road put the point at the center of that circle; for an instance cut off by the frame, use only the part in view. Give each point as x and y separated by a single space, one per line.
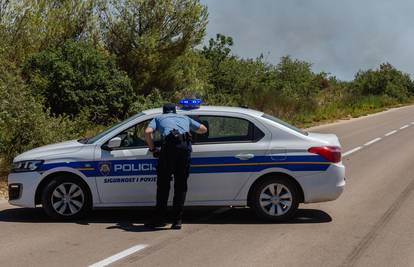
371 224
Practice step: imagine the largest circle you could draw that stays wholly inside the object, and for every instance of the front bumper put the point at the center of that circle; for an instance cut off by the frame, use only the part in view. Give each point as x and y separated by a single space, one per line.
27 182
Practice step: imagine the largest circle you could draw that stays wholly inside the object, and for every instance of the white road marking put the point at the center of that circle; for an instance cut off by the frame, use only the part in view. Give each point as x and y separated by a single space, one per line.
390 133
118 256
372 141
351 151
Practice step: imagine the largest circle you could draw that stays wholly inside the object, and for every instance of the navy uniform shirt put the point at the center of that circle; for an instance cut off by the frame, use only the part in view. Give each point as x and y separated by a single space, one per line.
165 123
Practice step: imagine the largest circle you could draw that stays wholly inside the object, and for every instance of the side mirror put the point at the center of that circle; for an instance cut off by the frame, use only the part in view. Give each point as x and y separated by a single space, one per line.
114 142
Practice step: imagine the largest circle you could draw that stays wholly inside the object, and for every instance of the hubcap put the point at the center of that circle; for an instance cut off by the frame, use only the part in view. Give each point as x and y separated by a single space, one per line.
275 199
67 199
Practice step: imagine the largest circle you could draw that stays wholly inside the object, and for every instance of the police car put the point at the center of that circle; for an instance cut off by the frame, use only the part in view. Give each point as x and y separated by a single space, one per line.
247 157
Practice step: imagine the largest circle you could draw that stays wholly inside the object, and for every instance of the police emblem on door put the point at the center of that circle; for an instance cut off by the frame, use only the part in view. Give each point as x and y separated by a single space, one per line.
105 168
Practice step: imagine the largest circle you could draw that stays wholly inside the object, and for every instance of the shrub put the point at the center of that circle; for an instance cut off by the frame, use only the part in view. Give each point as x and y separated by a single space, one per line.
76 77
23 122
386 80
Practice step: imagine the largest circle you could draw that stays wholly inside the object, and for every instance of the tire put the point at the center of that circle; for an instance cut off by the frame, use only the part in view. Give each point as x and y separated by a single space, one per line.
66 198
277 205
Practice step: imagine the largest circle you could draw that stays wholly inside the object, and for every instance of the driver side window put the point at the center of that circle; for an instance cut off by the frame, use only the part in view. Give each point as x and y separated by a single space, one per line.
134 137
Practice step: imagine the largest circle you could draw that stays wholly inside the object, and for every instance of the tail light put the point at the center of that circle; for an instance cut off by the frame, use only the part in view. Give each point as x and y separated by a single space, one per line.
330 153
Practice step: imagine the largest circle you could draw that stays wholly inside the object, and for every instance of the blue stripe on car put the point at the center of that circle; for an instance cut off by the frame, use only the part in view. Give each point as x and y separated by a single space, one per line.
106 168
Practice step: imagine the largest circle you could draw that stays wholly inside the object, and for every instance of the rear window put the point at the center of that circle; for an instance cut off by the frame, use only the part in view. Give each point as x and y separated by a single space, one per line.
277 120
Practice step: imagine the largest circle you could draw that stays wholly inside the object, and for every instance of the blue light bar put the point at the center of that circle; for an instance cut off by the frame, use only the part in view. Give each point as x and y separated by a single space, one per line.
189 103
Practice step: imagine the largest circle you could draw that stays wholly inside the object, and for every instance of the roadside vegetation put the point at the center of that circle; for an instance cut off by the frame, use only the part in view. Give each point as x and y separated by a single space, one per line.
68 68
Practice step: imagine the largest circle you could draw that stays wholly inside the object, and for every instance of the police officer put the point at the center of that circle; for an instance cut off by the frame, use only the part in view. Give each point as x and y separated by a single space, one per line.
174 160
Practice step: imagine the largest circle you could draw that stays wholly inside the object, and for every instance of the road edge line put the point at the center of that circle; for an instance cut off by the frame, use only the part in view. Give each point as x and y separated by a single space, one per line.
348 120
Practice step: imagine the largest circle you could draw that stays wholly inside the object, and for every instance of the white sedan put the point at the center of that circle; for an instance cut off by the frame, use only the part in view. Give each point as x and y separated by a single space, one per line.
246 158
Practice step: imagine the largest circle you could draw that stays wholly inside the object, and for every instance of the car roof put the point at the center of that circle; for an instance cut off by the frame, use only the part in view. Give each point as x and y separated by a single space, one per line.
223 109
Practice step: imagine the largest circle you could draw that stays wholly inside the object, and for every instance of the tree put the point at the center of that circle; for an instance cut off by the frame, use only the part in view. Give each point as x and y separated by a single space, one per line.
189 76
218 49
77 77
27 26
148 36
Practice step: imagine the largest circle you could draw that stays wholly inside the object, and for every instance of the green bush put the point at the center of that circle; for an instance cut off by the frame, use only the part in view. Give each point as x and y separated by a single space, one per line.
386 80
23 122
285 89
77 77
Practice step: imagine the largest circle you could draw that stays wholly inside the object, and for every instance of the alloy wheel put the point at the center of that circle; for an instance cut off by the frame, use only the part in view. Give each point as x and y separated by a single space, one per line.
67 199
276 199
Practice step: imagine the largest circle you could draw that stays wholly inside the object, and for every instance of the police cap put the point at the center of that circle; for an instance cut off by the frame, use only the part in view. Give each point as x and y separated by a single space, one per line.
169 108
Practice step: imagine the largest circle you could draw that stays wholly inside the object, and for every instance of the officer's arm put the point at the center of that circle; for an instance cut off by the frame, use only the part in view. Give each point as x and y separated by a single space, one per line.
148 138
202 129
197 127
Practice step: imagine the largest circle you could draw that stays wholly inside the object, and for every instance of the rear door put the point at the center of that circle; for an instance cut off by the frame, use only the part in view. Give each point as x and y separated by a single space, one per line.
224 158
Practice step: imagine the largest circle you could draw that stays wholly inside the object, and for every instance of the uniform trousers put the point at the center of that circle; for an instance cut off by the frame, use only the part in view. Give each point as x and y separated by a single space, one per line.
174 162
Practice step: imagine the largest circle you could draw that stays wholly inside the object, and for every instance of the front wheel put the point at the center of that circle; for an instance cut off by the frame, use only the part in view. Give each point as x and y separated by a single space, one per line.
66 198
275 199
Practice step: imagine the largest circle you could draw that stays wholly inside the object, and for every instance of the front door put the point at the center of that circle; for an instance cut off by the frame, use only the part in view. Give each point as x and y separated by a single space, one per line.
128 174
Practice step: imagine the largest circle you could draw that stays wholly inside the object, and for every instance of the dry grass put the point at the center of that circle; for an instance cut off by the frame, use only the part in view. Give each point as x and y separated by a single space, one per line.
3 180
3 188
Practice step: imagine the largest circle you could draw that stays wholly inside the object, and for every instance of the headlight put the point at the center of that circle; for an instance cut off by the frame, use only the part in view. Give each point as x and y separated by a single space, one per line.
26 166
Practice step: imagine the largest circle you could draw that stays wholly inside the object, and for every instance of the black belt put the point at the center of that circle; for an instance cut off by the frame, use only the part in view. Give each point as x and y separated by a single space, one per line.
175 136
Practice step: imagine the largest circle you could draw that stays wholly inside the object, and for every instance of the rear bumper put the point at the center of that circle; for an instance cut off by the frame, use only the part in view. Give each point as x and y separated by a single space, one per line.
27 182
325 186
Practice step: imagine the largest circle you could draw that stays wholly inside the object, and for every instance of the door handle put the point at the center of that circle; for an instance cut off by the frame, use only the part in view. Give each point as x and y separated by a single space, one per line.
244 156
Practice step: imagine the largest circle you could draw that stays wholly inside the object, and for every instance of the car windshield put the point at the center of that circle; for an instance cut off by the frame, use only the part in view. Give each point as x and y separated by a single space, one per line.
92 140
277 120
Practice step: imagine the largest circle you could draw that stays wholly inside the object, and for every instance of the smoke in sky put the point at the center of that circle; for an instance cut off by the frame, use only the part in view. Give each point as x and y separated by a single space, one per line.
337 36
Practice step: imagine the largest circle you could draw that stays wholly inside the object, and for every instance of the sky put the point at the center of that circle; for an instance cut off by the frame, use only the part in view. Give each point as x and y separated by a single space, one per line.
340 37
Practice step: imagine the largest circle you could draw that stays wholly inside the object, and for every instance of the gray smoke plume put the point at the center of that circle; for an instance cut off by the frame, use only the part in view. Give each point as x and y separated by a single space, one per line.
337 36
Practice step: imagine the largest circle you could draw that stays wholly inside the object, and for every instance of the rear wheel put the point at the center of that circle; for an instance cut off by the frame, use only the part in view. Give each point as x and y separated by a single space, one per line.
66 198
275 199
